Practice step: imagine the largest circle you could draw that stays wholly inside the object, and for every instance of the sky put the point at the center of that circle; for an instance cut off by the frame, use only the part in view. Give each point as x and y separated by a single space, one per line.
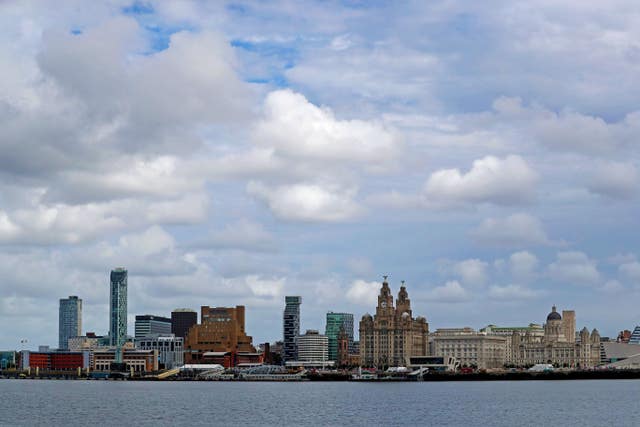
232 153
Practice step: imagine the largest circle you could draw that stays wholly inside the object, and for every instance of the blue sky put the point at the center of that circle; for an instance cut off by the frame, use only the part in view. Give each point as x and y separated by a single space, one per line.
233 153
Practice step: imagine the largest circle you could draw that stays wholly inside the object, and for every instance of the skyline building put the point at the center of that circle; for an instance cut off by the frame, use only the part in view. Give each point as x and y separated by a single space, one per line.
392 335
221 330
336 321
313 347
291 327
69 320
148 325
182 319
118 307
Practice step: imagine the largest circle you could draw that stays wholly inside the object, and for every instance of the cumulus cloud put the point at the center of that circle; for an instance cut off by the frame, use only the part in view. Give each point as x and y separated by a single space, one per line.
491 180
574 268
615 180
517 230
363 293
511 293
450 292
297 128
308 202
471 271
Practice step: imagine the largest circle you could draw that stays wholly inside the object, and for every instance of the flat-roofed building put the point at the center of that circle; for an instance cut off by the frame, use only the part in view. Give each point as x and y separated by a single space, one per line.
148 325
471 348
139 360
222 329
170 349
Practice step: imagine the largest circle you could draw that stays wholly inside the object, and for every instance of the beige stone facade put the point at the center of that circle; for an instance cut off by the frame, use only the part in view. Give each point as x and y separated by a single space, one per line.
470 348
392 335
558 345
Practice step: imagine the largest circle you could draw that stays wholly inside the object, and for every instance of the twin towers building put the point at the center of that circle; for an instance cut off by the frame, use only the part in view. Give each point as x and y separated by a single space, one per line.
392 335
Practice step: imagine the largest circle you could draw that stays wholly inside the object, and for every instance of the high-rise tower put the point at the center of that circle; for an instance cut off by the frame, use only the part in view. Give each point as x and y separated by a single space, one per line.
69 320
335 322
118 308
291 327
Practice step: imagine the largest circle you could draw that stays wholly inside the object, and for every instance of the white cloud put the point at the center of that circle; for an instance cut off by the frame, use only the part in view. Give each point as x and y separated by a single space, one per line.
296 128
363 293
574 268
451 292
517 230
265 288
511 292
491 180
308 202
471 271
612 287
615 180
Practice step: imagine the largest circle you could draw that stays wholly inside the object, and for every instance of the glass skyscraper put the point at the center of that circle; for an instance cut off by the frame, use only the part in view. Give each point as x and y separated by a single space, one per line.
291 327
69 320
118 308
334 322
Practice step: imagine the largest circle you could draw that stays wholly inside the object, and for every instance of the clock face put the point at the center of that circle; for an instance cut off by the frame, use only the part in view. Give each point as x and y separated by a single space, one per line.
384 304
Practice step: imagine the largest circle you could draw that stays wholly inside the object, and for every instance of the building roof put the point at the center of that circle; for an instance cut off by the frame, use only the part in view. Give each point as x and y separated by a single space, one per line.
554 315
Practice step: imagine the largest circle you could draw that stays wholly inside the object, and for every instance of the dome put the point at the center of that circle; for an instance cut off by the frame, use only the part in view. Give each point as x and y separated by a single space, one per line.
367 316
554 315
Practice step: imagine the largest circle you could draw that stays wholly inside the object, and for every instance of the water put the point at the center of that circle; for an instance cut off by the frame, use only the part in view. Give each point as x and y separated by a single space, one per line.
521 403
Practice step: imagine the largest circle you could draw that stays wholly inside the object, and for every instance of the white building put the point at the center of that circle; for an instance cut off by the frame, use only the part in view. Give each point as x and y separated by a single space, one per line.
312 347
170 349
470 348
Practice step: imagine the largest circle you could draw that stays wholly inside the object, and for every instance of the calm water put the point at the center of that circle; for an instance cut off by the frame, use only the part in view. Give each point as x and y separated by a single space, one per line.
547 403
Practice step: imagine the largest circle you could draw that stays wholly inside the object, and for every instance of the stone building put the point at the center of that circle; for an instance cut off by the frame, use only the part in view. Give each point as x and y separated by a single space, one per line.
471 348
559 344
392 335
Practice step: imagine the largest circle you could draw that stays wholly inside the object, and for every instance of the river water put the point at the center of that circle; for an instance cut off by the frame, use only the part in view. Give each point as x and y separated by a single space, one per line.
516 403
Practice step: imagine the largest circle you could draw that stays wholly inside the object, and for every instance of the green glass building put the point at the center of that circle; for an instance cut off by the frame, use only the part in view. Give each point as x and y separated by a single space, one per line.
334 322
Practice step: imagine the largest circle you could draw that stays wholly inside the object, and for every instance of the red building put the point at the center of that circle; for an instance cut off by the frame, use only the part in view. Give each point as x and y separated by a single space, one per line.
55 361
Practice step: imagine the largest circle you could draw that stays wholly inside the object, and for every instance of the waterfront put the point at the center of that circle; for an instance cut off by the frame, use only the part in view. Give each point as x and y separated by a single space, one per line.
566 403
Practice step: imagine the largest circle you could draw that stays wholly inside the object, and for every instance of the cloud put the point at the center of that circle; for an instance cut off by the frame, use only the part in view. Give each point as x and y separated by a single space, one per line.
523 265
630 270
612 287
505 181
296 128
574 268
265 288
517 230
450 292
363 293
511 293
308 202
615 180
242 234
471 271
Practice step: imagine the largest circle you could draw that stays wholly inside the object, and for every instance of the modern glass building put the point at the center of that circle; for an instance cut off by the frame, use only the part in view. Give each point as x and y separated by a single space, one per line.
69 320
291 327
151 326
118 308
334 322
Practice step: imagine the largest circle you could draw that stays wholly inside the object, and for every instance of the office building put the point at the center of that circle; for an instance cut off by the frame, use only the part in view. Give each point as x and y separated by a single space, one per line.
221 331
118 308
470 348
634 337
313 347
392 336
149 326
291 327
138 360
335 322
182 319
170 349
69 320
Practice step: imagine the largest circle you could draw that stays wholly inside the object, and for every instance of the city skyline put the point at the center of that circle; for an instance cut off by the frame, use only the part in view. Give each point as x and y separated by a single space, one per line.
234 153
